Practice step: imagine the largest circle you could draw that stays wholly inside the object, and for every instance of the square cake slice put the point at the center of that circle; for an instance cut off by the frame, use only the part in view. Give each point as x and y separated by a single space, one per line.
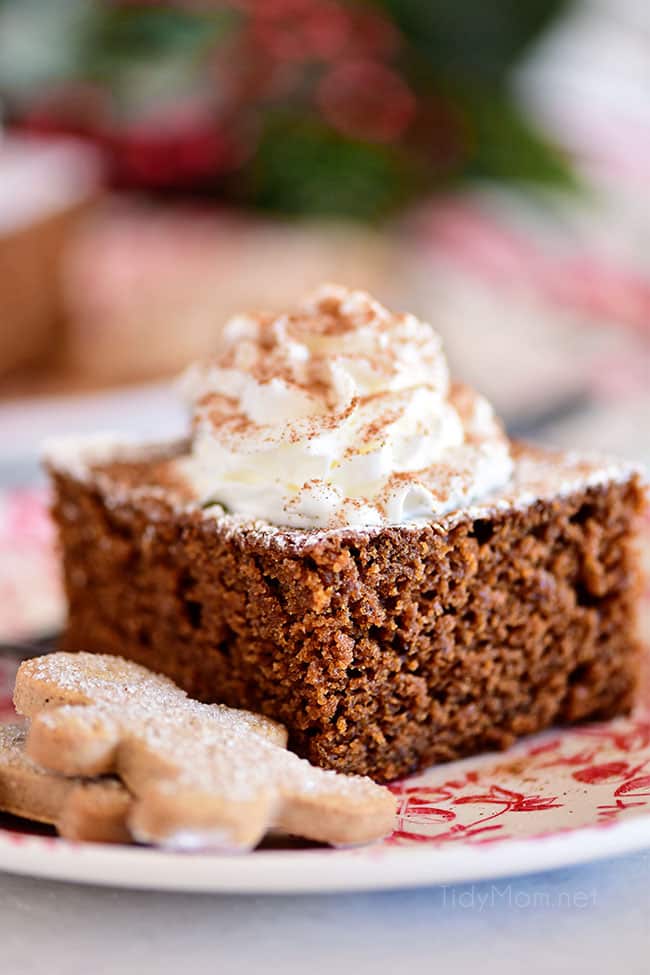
382 649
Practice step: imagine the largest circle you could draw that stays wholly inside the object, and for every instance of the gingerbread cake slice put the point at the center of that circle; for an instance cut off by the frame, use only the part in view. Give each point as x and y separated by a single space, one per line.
360 553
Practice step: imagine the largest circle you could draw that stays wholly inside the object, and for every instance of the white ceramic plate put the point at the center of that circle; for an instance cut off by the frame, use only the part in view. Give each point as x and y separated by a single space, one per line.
554 800
305 871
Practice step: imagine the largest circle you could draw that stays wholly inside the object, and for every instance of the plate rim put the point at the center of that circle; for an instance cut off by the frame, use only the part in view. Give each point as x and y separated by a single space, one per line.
316 870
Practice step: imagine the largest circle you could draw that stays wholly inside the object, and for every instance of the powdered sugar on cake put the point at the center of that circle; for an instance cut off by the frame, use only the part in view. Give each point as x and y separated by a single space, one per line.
338 417
341 414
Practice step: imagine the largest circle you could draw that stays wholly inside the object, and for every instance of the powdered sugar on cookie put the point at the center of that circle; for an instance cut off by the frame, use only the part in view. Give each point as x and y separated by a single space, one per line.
203 775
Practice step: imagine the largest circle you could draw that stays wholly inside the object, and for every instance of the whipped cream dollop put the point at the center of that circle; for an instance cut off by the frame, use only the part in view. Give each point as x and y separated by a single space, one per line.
341 413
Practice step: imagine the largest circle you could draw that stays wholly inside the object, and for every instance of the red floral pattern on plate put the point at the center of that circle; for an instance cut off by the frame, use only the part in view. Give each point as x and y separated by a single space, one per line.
591 775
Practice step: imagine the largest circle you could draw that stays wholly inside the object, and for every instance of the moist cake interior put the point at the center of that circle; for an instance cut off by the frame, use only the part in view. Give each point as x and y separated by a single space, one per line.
383 649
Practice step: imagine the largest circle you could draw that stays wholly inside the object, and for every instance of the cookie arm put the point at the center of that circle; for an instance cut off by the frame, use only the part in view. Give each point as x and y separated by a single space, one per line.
74 740
339 819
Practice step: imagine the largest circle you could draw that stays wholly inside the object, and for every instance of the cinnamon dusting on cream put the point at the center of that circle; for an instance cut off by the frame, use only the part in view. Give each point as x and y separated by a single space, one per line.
339 413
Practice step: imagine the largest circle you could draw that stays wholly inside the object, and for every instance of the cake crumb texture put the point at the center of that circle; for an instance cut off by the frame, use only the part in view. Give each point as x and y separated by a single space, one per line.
382 652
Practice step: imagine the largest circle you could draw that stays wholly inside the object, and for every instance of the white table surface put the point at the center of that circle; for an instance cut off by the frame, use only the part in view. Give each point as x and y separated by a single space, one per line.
590 919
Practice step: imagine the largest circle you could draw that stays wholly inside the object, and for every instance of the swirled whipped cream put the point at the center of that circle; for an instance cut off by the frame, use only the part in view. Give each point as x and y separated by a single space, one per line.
338 414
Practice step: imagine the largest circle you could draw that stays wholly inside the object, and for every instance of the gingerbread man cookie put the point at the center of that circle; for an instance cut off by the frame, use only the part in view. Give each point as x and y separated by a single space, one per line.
201 775
80 810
